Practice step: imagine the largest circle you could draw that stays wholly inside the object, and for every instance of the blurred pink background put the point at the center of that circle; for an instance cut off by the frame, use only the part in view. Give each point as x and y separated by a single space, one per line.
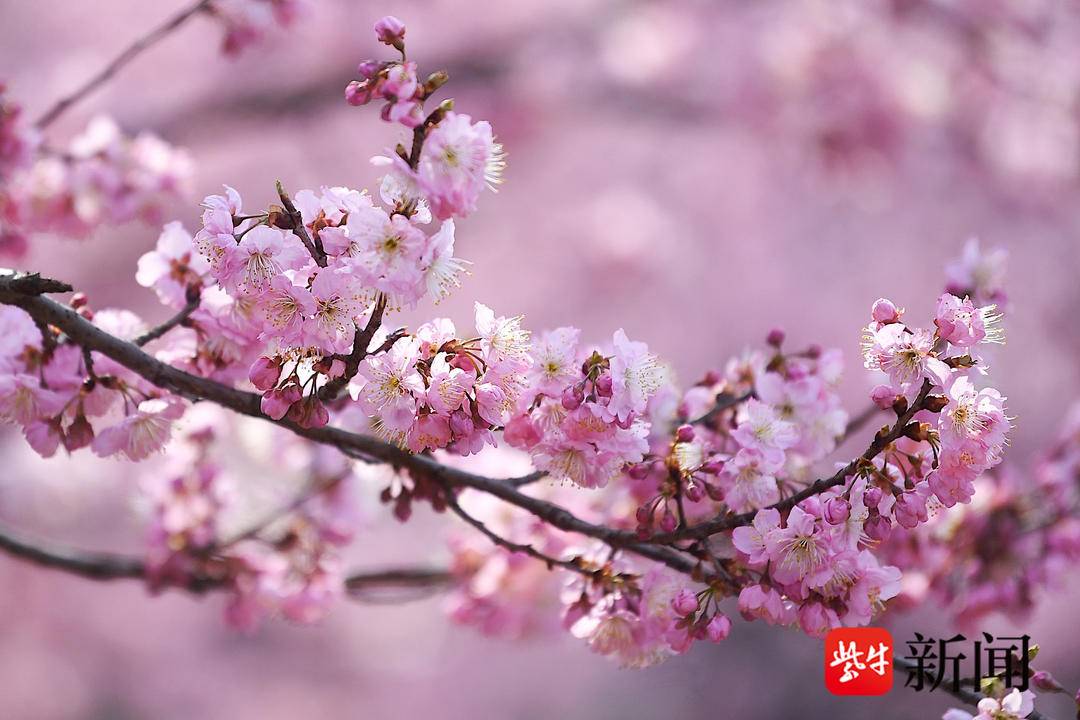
653 184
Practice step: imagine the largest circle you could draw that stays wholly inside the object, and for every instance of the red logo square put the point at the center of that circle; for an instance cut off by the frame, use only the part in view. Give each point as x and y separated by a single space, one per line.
858 661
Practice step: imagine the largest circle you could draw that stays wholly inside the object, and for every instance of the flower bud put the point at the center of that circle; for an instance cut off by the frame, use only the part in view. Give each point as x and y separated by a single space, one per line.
837 511
264 373
572 397
668 523
309 413
638 471
713 467
718 628
775 337
684 434
390 31
684 602
872 497
276 403
877 528
883 396
1046 682
358 92
695 493
369 69
885 312
603 385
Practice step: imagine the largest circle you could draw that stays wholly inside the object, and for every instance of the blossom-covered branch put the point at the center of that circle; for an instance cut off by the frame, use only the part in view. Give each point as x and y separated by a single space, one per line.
581 474
112 566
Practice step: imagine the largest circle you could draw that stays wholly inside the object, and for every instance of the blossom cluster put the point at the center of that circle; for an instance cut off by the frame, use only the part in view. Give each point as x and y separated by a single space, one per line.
248 22
283 564
1028 517
101 177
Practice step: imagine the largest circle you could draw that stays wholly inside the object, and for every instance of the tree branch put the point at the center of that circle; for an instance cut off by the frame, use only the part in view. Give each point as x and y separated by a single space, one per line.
110 566
179 318
361 342
130 53
369 449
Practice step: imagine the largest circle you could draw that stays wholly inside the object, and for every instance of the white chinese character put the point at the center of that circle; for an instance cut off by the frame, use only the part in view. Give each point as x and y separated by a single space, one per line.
876 658
850 659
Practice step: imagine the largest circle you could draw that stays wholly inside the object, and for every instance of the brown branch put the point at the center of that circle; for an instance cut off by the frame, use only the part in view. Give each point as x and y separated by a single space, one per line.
724 401
129 54
296 220
193 297
961 693
111 566
551 562
361 342
858 422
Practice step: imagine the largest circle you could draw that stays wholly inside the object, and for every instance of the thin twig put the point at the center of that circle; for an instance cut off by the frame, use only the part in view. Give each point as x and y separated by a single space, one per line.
724 401
296 220
551 562
178 319
129 54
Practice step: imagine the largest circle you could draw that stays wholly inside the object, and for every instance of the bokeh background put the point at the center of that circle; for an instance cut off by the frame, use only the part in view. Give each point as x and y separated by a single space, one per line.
694 171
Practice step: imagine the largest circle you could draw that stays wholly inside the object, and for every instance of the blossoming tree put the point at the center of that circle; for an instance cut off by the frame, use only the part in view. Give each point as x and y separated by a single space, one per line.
647 511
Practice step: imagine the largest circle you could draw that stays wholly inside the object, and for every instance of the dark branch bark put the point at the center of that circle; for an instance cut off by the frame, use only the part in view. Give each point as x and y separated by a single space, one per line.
111 566
178 319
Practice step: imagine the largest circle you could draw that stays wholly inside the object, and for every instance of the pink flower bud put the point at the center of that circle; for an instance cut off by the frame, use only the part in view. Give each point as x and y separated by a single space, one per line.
694 493
358 92
572 398
668 523
718 628
872 497
713 467
644 515
368 69
309 413
877 528
712 377
390 31
685 602
1046 682
837 510
684 434
885 312
276 403
775 337
638 471
603 385
883 396
264 373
